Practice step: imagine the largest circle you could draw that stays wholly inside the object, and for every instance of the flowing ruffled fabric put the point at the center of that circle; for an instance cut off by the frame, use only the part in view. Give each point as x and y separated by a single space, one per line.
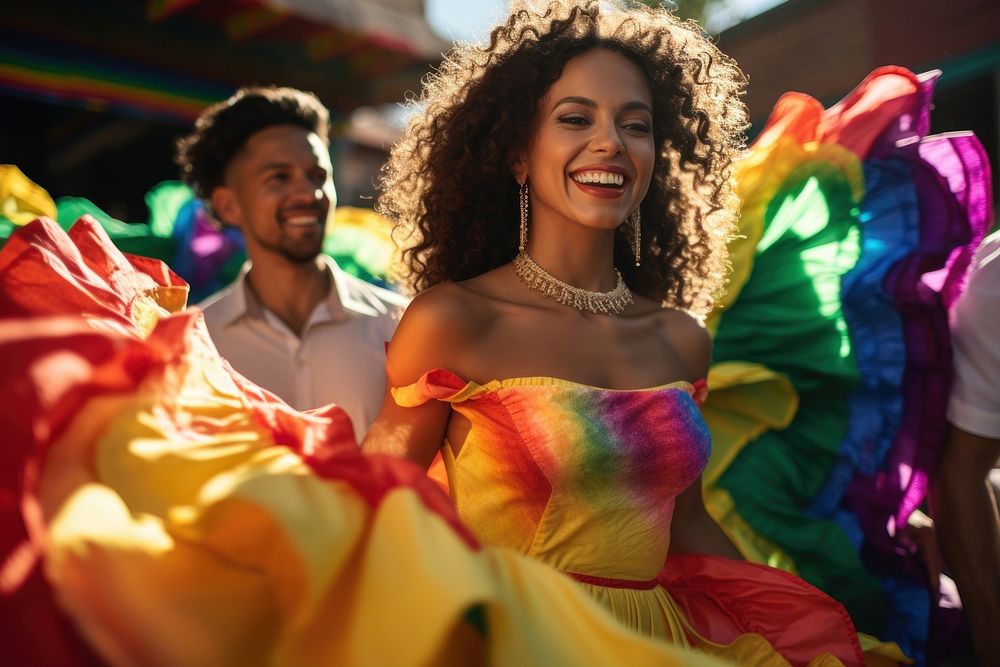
158 509
746 401
21 200
858 229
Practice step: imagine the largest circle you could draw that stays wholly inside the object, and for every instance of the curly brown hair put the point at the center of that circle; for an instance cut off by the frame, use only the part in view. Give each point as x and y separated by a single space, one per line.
448 185
223 129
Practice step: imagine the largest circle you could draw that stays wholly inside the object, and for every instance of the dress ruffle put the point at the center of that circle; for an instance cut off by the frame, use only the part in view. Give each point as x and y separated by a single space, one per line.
861 334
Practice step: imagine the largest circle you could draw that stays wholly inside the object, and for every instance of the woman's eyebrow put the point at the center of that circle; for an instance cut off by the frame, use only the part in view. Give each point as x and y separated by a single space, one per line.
573 99
587 102
637 104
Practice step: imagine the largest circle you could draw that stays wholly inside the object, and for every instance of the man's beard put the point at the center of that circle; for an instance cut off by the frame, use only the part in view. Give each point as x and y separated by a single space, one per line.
302 251
300 248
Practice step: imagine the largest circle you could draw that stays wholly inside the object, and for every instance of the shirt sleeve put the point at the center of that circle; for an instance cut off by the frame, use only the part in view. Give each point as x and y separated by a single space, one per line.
974 405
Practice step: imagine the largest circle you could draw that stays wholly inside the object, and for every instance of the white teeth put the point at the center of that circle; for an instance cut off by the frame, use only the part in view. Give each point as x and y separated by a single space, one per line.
601 177
302 221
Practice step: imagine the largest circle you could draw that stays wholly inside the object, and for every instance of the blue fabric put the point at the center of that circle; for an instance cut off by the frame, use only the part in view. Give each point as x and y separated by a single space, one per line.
890 227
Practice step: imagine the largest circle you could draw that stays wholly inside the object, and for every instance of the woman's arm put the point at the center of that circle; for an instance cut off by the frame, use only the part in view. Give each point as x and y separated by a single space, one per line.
693 531
429 336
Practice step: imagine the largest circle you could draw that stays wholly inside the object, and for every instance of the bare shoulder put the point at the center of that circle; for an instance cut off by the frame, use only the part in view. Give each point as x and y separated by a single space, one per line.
685 324
449 307
436 331
687 335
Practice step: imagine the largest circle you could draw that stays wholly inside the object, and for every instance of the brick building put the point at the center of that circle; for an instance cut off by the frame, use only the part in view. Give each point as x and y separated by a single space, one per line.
826 47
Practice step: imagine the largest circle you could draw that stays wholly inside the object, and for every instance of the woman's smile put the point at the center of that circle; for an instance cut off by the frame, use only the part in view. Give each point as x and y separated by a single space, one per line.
605 181
591 157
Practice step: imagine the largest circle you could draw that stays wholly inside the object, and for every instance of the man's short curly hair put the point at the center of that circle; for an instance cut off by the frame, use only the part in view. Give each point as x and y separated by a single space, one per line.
449 188
223 129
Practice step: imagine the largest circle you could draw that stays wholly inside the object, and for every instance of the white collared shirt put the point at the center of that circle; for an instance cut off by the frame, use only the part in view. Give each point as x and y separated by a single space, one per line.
975 328
339 358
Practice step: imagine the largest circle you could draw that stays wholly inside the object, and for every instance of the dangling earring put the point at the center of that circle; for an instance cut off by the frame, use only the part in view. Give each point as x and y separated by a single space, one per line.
523 200
636 220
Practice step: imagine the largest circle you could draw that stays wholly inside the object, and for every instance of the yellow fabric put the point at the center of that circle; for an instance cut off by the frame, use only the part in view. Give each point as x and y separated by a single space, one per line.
510 497
882 654
568 474
21 200
746 399
377 248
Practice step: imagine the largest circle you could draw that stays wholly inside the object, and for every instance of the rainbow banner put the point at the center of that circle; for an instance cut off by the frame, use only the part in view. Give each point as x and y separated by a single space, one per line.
59 74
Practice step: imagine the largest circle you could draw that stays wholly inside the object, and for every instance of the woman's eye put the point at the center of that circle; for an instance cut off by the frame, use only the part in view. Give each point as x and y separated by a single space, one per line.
638 127
573 120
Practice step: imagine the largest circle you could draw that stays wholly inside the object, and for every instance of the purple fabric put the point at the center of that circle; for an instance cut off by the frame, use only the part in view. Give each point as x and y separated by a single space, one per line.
952 181
953 218
911 125
202 249
962 161
890 221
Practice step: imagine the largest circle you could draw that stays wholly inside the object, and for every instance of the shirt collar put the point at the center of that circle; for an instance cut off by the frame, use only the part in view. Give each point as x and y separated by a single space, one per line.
243 302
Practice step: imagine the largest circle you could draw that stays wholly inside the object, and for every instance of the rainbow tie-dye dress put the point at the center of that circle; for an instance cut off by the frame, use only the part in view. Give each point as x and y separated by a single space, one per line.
585 479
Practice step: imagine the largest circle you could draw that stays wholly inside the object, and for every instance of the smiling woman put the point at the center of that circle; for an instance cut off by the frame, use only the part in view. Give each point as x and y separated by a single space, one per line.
599 142
564 200
449 184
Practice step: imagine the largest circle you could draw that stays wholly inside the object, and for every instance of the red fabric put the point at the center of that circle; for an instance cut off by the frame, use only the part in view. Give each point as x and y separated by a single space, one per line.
614 583
858 120
44 271
724 598
700 391
855 122
796 116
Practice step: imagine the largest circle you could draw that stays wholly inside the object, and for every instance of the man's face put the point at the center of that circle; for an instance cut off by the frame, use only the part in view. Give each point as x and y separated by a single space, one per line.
279 191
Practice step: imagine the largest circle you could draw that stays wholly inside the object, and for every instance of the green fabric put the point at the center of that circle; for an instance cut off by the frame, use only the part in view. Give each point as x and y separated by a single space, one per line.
357 252
134 239
6 229
788 317
165 202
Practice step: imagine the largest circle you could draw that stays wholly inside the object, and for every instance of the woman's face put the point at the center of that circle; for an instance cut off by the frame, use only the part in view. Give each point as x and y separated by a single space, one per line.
591 158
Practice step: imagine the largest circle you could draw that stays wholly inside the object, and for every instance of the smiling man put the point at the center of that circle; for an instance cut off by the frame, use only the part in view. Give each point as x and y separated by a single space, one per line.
292 322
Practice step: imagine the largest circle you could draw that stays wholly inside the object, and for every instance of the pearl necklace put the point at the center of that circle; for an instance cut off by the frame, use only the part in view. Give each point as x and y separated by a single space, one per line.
535 277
